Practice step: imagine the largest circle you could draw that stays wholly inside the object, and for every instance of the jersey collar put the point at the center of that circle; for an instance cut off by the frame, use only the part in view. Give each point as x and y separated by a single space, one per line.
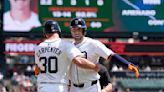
52 40
81 43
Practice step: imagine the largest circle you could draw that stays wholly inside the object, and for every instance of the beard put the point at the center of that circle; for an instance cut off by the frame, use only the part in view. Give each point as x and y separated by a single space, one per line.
77 37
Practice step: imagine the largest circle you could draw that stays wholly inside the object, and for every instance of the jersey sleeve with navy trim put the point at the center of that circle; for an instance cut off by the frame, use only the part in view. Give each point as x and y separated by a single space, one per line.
102 50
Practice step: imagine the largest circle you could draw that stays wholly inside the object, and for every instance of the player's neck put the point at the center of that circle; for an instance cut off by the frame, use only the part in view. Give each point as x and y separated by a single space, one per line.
77 41
52 36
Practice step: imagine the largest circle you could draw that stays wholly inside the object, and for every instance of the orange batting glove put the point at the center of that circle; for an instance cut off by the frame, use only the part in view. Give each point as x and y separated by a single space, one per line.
37 70
134 69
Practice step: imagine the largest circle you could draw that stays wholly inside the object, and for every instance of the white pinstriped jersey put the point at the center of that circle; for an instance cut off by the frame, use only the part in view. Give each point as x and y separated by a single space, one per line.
92 50
54 59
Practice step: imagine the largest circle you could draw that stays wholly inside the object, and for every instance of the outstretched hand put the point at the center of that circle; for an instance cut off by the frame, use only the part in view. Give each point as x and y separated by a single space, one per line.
134 69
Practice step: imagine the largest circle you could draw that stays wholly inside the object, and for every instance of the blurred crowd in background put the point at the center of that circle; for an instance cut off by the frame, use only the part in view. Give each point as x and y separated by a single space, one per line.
20 75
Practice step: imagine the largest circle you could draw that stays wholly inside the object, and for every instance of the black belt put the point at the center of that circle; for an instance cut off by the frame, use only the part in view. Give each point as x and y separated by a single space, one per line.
82 85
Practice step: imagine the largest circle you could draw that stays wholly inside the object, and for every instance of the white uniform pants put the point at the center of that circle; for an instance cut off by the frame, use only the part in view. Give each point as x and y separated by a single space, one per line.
52 87
87 88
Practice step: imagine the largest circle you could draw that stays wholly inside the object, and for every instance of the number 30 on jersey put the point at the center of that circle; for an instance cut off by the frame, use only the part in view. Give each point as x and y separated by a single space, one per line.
49 64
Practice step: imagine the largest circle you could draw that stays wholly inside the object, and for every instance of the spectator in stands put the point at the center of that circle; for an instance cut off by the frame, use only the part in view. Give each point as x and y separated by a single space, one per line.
20 17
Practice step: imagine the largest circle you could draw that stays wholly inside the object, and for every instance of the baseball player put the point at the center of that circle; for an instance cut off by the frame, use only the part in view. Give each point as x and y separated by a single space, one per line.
87 80
53 58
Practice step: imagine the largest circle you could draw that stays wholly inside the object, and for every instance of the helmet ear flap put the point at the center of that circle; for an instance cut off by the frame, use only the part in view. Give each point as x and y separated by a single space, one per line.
84 31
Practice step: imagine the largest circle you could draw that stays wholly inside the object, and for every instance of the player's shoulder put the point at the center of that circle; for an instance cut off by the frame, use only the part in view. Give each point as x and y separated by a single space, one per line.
66 42
92 41
40 44
89 40
7 13
37 47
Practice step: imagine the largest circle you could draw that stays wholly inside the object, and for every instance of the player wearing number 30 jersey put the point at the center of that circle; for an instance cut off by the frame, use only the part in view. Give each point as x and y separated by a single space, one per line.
53 58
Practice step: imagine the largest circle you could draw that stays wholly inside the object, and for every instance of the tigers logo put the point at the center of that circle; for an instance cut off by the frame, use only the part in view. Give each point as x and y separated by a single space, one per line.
53 28
76 21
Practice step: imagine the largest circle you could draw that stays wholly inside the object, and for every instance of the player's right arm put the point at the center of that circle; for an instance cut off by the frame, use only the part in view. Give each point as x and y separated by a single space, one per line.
84 63
37 69
75 55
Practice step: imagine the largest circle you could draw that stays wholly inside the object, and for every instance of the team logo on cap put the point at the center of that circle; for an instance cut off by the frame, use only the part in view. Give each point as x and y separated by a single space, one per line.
76 21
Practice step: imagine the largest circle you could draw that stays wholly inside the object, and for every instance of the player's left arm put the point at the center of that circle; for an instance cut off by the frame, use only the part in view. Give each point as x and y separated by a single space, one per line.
120 60
108 54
